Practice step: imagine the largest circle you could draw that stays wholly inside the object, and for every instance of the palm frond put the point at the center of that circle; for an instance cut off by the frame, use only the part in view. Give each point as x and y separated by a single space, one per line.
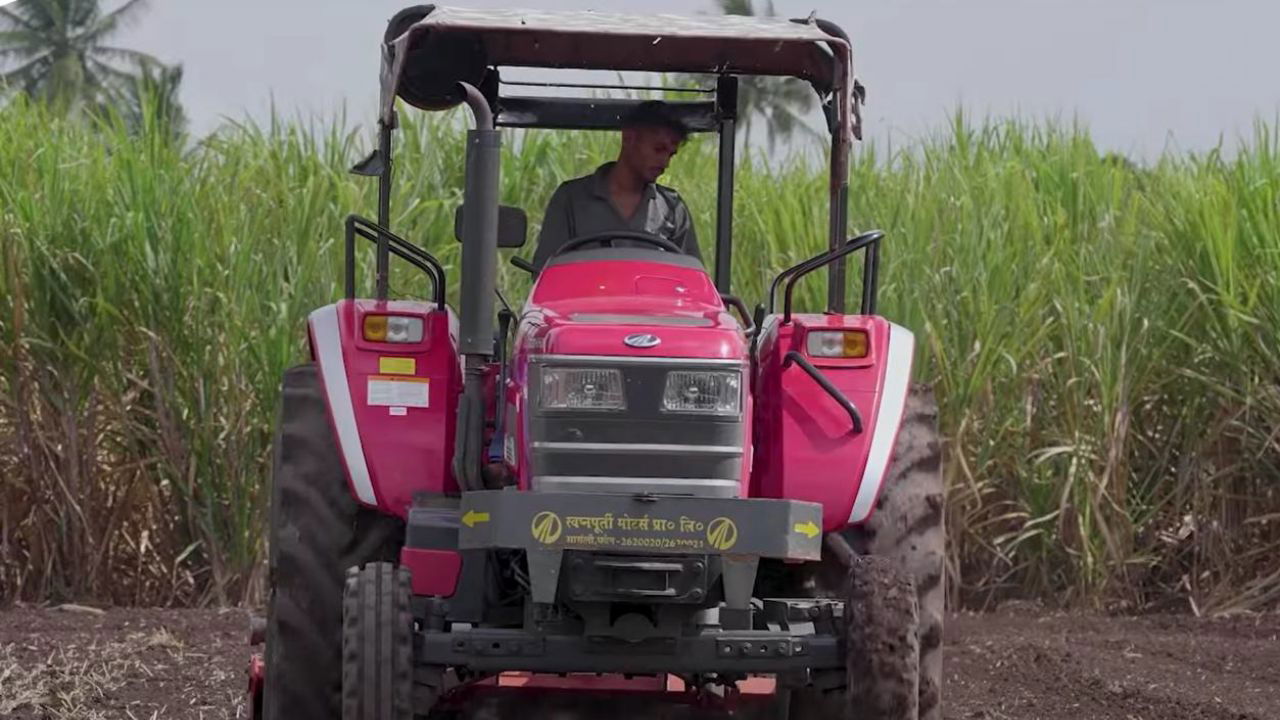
80 13
18 37
784 123
127 12
736 7
27 76
18 20
115 20
23 52
108 74
137 57
20 44
42 14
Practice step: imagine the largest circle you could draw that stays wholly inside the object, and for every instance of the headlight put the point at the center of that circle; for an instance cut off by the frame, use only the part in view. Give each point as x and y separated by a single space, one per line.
582 389
836 343
705 392
392 328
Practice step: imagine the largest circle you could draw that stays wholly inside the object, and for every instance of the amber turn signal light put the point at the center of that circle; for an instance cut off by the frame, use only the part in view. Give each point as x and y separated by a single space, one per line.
837 343
392 328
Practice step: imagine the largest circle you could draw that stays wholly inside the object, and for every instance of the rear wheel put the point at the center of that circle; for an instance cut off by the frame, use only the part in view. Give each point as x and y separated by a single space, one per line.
907 528
906 532
317 531
882 661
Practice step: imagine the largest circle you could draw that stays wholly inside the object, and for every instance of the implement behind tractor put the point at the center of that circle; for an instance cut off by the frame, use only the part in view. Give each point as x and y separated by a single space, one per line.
623 487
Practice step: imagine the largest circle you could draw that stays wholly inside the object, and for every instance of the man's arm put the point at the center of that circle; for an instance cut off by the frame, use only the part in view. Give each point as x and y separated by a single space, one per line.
557 226
684 234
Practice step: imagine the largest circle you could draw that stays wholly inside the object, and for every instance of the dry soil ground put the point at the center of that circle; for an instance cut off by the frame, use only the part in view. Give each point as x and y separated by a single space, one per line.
190 664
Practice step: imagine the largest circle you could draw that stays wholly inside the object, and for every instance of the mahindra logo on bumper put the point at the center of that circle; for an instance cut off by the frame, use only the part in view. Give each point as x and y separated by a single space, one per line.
642 340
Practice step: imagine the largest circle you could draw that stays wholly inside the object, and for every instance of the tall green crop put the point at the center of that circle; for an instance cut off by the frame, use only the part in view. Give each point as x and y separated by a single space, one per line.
1102 338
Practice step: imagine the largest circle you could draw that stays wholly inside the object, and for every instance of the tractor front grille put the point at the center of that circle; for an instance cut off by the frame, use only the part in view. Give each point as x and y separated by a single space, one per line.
642 449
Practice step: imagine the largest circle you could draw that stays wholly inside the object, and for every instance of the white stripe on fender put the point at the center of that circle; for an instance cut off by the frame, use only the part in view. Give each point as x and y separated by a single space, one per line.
893 400
324 332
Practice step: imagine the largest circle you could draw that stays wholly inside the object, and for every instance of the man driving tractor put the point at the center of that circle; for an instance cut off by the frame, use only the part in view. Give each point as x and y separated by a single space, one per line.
624 195
632 490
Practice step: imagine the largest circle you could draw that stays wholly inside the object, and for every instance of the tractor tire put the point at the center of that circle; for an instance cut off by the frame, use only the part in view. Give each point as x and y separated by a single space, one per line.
882 661
317 531
907 528
377 644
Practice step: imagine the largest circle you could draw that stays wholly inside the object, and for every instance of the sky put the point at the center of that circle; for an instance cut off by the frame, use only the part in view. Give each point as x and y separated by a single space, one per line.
1143 75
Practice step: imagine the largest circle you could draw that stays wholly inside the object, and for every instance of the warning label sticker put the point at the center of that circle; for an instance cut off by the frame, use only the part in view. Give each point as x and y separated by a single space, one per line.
397 365
399 392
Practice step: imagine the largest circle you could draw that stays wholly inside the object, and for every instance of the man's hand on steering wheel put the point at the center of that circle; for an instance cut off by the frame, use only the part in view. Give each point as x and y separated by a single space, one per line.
645 237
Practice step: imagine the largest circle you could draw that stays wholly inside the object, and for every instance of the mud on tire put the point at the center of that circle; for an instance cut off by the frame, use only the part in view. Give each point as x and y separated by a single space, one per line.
317 531
882 668
377 644
907 528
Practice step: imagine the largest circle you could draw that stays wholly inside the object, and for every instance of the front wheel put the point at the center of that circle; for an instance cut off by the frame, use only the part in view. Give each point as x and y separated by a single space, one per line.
377 644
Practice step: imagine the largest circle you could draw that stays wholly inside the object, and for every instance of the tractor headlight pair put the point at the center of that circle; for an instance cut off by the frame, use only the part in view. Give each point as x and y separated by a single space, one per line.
702 392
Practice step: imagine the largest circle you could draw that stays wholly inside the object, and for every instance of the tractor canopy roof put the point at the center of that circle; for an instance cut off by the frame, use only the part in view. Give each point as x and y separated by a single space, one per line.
435 57
428 49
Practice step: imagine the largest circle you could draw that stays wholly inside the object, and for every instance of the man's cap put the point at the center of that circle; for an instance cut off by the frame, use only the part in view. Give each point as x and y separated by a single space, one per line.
656 113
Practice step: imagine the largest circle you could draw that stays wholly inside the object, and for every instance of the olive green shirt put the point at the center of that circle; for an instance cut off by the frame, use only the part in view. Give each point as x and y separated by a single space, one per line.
582 207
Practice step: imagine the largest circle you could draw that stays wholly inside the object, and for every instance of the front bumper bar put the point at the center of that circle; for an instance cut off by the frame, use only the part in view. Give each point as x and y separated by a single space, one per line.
492 650
647 524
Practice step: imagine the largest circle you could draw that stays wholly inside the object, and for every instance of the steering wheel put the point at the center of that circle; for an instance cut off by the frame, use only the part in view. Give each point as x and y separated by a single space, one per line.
646 237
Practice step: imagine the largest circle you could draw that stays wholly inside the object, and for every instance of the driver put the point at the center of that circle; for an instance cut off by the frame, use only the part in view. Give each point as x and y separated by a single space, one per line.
624 195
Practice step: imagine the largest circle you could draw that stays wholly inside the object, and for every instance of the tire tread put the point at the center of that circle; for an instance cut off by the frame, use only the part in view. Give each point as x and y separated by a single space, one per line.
317 530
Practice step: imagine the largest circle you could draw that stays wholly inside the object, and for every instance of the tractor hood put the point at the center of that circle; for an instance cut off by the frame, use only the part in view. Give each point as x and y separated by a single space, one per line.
607 307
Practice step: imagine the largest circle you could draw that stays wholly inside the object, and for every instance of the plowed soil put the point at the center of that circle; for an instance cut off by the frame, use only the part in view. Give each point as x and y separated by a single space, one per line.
134 664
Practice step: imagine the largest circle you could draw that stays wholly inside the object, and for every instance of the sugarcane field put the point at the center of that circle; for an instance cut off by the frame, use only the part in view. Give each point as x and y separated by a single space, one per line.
718 359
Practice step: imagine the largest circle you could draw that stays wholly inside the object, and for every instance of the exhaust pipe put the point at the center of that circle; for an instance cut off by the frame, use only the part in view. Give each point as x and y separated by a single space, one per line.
479 267
479 228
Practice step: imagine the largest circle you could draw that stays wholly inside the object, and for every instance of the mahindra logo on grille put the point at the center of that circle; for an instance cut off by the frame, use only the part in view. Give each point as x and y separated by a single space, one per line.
642 340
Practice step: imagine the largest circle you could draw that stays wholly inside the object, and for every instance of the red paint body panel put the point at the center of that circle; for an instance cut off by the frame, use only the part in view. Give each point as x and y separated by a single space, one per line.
622 278
589 308
683 303
600 683
433 572
802 443
410 452
665 689
754 685
806 448
257 682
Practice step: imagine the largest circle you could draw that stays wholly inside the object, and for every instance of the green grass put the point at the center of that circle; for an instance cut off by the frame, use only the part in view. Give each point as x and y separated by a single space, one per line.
1102 338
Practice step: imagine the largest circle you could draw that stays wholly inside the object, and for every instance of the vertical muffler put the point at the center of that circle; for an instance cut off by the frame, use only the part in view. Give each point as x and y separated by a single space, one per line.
479 271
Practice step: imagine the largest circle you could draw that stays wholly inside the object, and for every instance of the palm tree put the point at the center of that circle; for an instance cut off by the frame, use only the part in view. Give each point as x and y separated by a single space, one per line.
62 50
781 103
148 104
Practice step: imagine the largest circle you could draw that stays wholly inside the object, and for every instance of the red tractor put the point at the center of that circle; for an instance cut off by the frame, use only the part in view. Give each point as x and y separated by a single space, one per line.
622 487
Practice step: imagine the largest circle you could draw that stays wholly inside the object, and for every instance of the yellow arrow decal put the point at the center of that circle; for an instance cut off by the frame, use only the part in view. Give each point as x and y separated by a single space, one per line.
808 529
472 517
